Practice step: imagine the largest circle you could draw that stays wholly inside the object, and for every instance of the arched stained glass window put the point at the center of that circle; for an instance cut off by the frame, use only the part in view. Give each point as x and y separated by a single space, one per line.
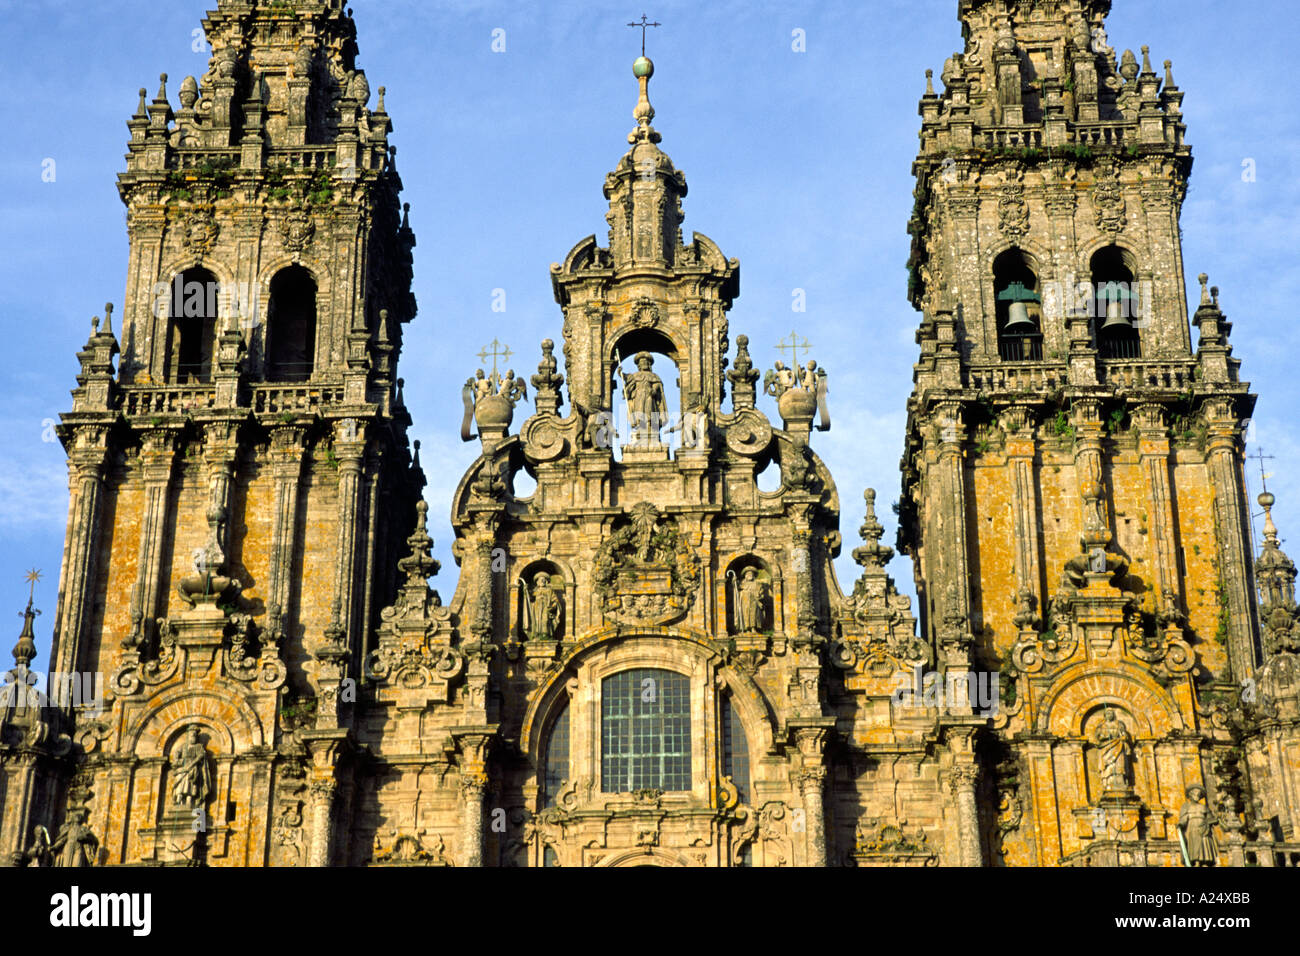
556 770
645 731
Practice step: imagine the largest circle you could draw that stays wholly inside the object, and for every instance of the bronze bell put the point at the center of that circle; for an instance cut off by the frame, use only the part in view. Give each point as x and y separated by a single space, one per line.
1018 320
1115 318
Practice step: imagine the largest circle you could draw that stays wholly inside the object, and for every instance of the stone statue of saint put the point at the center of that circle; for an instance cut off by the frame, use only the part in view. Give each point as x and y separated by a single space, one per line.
1197 825
747 600
192 782
543 608
1115 753
76 845
646 406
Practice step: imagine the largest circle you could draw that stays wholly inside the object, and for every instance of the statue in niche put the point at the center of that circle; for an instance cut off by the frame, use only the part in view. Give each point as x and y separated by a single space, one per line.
76 845
1196 829
1114 752
646 405
543 608
192 785
748 601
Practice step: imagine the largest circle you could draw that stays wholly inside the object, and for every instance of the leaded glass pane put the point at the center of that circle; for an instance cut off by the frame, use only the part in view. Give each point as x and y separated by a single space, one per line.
557 758
645 731
735 749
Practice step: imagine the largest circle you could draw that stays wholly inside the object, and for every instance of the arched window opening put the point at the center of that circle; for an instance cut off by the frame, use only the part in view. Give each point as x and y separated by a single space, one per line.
1019 311
192 326
645 731
1116 305
735 748
556 764
647 403
291 326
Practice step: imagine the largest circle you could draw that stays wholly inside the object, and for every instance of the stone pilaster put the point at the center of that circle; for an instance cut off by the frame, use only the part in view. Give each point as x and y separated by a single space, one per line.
349 449
87 461
1223 456
286 457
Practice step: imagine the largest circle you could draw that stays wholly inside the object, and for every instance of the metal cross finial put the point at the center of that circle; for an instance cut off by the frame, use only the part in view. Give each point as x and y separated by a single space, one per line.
494 351
1261 458
32 577
795 343
643 24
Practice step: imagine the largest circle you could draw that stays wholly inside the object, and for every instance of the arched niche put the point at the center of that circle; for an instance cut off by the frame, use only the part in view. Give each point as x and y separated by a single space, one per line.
642 427
291 325
529 600
749 586
1018 306
193 310
1116 303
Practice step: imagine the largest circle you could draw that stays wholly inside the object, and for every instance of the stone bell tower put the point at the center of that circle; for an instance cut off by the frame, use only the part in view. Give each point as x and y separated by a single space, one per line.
1073 495
241 481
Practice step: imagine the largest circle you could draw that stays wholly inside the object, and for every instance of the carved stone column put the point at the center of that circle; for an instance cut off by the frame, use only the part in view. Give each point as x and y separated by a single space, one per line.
950 577
1087 468
1223 450
327 748
350 446
157 459
961 780
962 777
87 458
810 737
812 785
1153 447
286 454
473 791
322 810
220 452
1021 450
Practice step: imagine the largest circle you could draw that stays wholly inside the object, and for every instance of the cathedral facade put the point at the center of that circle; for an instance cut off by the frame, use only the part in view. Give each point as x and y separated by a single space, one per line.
647 659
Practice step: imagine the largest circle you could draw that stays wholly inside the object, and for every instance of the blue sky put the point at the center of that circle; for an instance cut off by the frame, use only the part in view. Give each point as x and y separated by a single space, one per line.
798 164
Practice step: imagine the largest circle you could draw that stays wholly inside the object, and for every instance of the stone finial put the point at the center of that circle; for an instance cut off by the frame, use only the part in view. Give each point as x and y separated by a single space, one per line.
379 106
162 89
1128 66
547 381
1205 293
108 318
189 92
1275 576
1146 60
415 459
419 565
1214 295
142 110
872 555
742 376
1169 74
929 82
